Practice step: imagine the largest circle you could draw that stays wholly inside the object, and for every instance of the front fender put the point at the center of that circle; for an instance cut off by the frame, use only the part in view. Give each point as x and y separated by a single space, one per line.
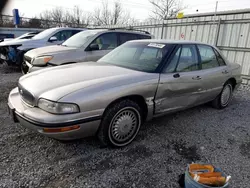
97 98
26 48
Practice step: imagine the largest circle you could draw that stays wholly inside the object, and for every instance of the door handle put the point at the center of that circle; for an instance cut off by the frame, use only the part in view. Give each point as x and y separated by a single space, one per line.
177 75
196 78
224 72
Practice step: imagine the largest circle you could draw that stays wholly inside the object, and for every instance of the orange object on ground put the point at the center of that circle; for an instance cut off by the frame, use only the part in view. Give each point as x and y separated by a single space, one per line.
214 181
211 174
199 167
208 174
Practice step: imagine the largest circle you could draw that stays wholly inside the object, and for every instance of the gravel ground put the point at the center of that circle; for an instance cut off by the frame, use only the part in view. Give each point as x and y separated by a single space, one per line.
156 158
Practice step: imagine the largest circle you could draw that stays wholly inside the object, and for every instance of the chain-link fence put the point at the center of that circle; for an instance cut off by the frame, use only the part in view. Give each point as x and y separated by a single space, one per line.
7 21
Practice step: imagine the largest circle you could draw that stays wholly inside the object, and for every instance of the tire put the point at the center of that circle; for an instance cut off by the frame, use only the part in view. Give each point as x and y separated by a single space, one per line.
24 68
120 124
224 98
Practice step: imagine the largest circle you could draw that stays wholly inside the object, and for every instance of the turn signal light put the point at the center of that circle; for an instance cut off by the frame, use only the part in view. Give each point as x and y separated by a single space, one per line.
47 59
62 129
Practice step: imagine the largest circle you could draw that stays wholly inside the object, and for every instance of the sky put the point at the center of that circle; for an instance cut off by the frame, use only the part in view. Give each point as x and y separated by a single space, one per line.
139 9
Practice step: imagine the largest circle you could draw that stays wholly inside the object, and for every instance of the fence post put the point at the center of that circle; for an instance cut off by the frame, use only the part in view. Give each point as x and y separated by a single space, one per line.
162 29
217 32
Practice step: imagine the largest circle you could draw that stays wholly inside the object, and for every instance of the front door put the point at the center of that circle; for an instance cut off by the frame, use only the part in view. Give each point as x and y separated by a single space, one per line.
180 83
106 43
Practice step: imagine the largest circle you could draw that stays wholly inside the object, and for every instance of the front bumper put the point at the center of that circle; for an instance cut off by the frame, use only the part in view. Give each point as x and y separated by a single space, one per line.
87 126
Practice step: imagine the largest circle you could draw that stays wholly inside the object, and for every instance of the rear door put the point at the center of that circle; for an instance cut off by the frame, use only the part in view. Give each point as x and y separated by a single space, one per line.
214 72
180 82
106 42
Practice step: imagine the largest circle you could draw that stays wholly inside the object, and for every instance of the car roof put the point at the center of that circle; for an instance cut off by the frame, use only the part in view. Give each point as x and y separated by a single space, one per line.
170 41
121 31
69 28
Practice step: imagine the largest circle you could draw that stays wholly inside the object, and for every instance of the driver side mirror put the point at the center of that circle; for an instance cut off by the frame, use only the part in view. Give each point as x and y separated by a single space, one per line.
53 39
93 47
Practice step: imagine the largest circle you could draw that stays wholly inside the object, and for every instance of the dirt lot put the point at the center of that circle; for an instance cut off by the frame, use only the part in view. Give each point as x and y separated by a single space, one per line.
159 154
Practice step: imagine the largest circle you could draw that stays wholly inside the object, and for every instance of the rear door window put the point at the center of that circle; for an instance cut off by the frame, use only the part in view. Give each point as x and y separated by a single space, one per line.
106 41
124 37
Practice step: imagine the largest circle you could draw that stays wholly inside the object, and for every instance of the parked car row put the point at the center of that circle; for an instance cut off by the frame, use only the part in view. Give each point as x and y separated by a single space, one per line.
113 97
89 45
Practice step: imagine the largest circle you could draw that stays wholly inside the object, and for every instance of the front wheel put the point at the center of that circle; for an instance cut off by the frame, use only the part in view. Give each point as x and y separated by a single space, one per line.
20 61
120 124
223 99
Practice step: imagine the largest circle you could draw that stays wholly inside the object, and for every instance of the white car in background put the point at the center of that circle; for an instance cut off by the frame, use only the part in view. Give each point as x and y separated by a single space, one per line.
28 35
12 51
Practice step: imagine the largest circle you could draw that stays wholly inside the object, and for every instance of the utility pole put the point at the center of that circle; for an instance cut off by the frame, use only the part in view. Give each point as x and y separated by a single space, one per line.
216 26
215 11
164 18
77 15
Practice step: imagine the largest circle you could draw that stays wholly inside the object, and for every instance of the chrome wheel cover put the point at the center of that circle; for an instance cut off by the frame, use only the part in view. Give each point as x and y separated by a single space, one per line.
226 95
124 126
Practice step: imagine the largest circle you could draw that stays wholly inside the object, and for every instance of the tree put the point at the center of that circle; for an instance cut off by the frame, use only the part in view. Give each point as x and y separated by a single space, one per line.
34 23
57 15
162 9
105 15
60 17
79 17
45 17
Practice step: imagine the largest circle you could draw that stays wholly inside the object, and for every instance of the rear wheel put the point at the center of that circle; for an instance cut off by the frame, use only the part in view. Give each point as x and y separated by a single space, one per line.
224 98
120 124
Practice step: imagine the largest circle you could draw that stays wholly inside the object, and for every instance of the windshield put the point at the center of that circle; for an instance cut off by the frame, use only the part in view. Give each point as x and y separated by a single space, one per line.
142 56
79 39
23 35
44 33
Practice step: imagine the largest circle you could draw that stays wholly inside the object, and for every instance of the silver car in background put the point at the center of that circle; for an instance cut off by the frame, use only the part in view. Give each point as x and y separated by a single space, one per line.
113 97
88 45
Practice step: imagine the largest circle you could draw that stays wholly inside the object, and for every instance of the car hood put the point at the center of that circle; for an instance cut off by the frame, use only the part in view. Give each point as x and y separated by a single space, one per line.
49 50
19 42
55 83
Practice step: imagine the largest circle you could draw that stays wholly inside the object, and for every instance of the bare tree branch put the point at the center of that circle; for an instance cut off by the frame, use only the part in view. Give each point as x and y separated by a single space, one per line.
162 9
74 18
111 16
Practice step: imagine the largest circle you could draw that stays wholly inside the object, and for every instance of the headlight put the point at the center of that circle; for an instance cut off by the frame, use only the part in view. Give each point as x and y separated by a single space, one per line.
41 61
57 108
